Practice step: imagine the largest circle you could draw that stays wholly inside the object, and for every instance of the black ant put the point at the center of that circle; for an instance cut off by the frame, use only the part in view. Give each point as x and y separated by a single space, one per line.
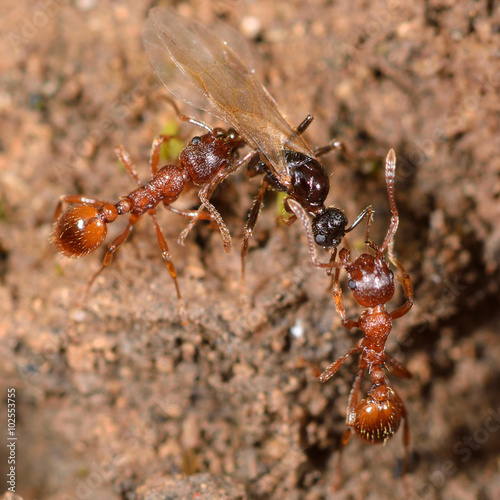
378 417
310 187
204 162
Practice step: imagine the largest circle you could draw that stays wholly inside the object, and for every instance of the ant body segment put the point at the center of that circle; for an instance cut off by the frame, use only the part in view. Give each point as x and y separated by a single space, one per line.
204 162
376 418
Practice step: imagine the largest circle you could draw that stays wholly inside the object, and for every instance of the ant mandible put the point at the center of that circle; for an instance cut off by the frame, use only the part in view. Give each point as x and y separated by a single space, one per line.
205 162
378 417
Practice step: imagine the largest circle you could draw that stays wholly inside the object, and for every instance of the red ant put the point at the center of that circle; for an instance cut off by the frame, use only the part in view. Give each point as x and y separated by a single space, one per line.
378 417
205 162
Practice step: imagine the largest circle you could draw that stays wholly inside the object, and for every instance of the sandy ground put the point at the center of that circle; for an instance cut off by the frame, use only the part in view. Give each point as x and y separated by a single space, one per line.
119 398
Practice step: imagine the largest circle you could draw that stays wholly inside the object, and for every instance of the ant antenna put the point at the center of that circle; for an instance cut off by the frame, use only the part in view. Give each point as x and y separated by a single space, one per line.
390 172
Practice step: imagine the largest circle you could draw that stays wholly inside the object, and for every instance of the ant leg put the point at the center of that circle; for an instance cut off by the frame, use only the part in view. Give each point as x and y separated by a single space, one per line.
329 272
108 257
301 214
397 368
339 303
207 191
331 146
119 240
408 290
205 194
301 128
329 372
304 125
352 402
154 155
188 214
367 214
77 200
249 227
126 161
185 118
194 121
288 221
165 253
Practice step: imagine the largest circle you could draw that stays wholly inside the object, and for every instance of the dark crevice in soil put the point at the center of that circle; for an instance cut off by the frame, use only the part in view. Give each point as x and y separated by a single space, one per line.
4 264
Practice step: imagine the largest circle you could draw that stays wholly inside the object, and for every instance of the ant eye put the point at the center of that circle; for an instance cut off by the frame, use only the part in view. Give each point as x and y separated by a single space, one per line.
320 239
195 140
391 275
351 284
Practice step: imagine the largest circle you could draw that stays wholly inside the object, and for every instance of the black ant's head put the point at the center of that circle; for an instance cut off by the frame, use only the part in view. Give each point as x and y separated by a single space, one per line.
370 280
328 227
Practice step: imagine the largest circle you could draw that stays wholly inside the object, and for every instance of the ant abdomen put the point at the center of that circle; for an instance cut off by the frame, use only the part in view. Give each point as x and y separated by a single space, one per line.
81 229
379 416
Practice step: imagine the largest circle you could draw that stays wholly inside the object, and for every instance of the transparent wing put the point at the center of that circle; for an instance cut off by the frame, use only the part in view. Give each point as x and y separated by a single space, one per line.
215 74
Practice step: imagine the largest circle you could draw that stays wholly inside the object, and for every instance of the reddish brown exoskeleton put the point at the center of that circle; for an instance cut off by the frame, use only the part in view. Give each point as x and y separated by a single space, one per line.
82 227
376 418
214 71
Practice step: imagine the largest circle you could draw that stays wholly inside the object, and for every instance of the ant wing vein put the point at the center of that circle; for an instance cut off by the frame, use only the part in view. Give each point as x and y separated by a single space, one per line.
215 75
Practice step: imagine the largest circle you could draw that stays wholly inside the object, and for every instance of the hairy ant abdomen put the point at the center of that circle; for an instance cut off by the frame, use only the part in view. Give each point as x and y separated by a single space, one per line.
81 229
379 416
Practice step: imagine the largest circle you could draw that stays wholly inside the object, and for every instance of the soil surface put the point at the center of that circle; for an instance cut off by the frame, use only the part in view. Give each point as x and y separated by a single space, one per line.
121 397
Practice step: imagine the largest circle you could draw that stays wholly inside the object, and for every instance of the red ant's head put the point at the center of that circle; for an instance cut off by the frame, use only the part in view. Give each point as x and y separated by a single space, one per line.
370 280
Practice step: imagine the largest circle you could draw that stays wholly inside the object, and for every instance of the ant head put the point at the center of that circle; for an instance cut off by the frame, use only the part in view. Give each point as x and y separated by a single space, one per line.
81 229
328 227
378 417
207 138
370 280
233 135
219 141
233 139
